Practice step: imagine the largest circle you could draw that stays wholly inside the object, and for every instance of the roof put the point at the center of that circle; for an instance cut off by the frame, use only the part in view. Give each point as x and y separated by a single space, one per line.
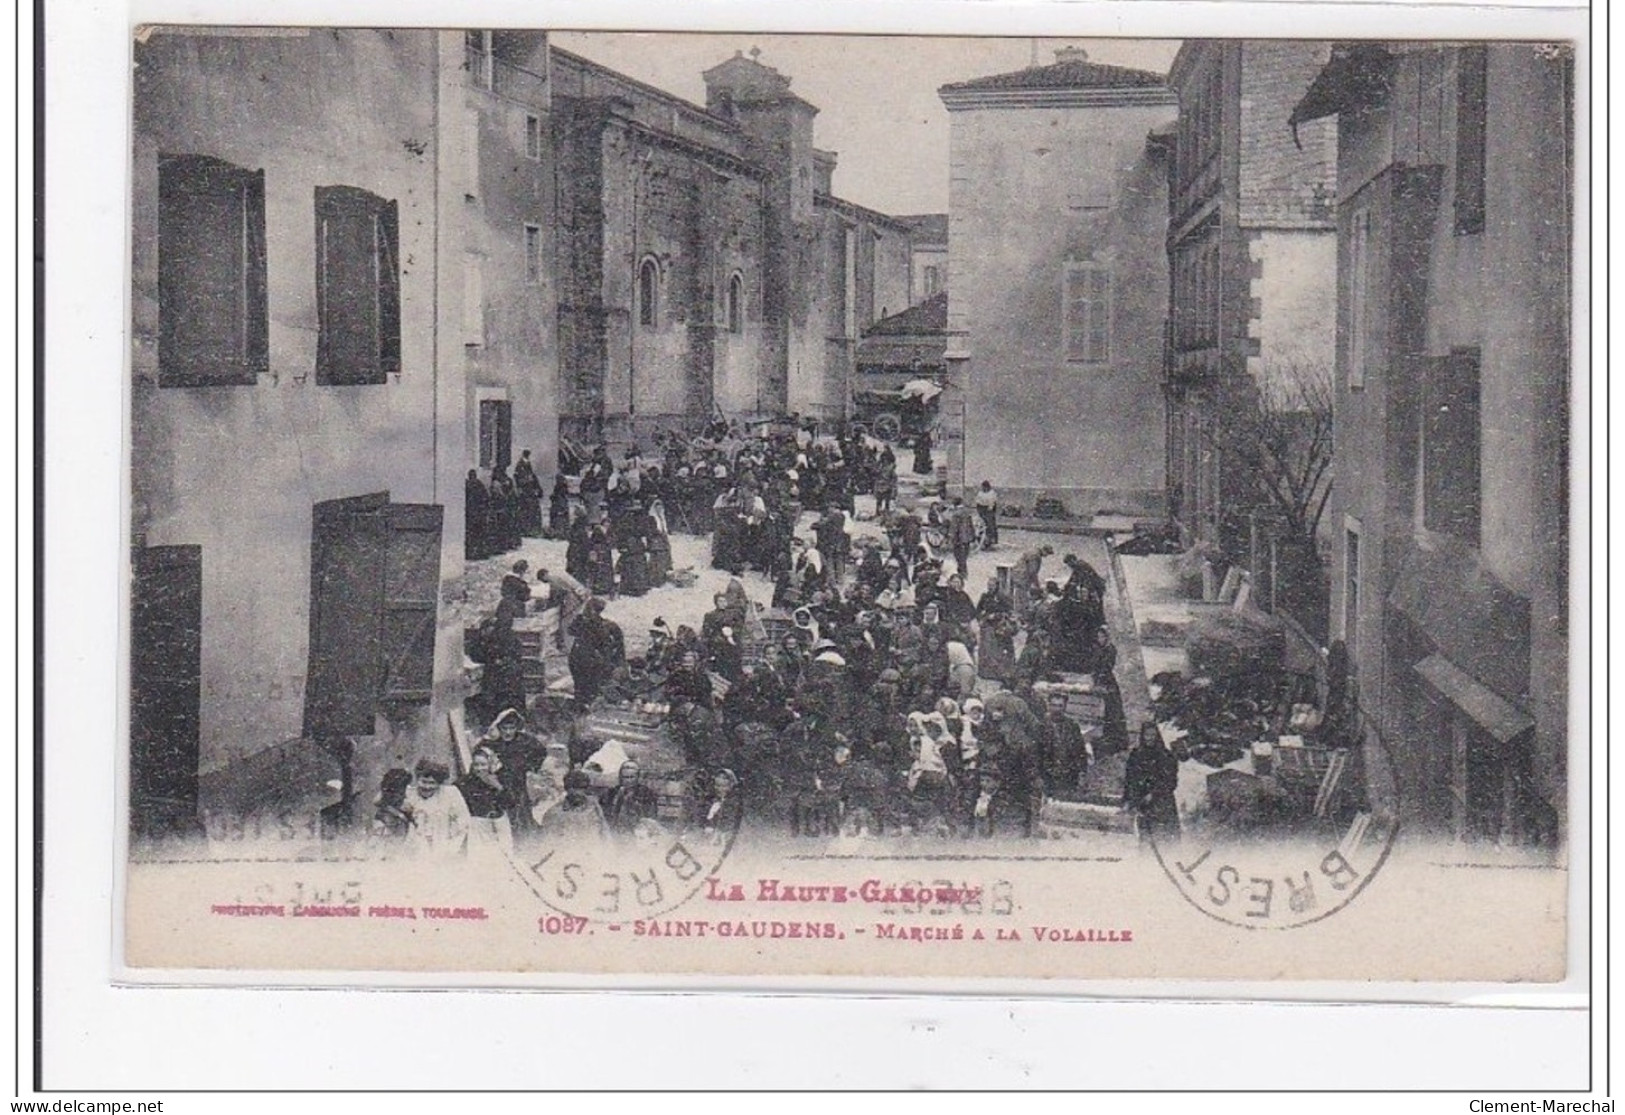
1067 73
1357 74
858 212
928 228
930 316
644 87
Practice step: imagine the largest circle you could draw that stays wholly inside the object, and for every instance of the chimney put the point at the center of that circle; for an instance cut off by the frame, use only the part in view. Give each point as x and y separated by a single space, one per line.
1071 54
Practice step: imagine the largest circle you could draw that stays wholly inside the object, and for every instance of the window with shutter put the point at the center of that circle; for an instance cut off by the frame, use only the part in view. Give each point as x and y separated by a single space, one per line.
1451 445
411 588
212 312
166 663
375 582
358 295
1471 66
343 679
1087 317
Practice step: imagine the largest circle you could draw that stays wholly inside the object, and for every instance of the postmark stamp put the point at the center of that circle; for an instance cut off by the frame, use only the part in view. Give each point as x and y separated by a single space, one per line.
598 880
1277 885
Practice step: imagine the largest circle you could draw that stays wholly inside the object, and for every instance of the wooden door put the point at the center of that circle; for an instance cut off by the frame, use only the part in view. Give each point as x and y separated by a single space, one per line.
166 665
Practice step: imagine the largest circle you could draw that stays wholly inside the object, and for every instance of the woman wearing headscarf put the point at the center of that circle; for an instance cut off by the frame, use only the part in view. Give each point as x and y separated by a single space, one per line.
1010 778
930 789
558 508
1149 782
503 512
518 752
528 490
600 561
489 804
476 515
631 802
658 537
923 465
633 566
972 717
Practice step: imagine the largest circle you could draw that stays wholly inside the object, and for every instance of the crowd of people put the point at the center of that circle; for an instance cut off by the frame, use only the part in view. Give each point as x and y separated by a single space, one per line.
873 694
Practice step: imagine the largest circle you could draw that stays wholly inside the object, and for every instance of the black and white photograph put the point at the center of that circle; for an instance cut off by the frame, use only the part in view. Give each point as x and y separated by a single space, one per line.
855 507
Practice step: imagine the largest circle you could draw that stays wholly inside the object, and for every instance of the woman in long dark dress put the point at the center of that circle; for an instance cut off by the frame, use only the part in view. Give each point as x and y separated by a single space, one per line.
922 454
558 508
634 561
528 489
476 512
503 515
575 551
659 542
600 562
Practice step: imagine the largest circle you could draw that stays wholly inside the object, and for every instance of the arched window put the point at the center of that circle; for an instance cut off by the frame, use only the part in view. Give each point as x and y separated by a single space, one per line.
736 303
649 293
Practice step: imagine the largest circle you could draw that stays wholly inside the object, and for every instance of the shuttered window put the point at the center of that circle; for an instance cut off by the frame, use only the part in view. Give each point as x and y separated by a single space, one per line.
1471 66
375 576
411 588
1451 445
1088 313
358 287
212 313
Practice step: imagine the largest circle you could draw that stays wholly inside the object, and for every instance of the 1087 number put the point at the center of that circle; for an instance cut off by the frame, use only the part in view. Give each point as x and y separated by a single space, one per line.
561 923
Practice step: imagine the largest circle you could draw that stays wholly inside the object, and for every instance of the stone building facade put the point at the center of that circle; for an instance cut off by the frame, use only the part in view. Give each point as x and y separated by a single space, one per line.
1252 255
506 213
297 404
1058 287
1454 360
704 265
366 262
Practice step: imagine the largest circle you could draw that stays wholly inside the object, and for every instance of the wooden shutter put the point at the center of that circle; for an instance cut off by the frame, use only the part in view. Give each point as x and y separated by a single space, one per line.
166 665
211 273
411 590
1471 90
357 286
389 288
344 679
1451 446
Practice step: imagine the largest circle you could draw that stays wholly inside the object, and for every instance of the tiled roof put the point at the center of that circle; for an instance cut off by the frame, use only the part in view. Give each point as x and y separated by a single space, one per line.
1069 73
928 228
930 316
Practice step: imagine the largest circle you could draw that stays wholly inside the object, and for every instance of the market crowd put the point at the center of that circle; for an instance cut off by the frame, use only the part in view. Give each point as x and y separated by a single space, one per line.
872 695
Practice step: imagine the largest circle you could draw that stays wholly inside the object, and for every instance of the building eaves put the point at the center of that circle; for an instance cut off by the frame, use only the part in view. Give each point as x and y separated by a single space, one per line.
926 320
644 87
859 212
1357 76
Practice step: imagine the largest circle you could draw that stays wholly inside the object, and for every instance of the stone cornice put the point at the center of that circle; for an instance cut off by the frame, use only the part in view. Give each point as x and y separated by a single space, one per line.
962 100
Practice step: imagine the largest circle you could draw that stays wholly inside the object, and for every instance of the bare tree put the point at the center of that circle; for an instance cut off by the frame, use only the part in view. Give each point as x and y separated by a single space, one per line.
1277 429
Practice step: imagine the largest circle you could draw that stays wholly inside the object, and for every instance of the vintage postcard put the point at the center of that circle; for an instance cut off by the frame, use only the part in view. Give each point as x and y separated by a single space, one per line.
784 506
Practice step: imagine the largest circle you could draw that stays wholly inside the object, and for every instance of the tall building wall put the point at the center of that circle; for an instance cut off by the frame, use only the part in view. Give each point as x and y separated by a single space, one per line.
237 469
1032 191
